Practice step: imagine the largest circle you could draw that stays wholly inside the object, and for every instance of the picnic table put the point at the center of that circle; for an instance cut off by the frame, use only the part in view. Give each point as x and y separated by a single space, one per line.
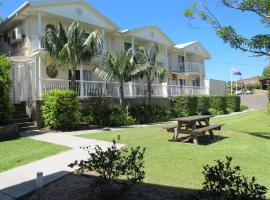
195 126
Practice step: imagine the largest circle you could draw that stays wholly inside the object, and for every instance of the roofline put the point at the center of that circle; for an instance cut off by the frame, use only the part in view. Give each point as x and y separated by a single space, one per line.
192 43
15 12
28 3
145 27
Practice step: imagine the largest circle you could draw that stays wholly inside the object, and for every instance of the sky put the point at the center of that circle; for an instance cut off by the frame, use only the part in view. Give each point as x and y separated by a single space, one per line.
167 15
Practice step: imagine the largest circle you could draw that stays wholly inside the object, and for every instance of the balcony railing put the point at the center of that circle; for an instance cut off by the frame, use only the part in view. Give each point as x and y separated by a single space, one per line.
111 89
189 67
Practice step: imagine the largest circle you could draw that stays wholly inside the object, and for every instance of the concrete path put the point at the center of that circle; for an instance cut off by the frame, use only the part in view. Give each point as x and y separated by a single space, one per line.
20 181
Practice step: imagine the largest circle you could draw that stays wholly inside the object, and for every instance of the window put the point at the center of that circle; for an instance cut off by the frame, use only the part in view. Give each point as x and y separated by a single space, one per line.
182 82
127 46
50 27
181 63
193 83
87 75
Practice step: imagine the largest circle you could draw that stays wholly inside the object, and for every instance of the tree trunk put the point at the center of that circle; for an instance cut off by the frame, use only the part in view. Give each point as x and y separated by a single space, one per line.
73 80
149 92
121 88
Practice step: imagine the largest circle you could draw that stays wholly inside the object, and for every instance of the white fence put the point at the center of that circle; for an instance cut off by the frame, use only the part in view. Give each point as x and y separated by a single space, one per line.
111 89
215 87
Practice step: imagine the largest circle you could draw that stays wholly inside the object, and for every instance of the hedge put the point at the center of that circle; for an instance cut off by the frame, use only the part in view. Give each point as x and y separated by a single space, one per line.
203 104
233 102
60 109
6 106
184 105
150 113
218 103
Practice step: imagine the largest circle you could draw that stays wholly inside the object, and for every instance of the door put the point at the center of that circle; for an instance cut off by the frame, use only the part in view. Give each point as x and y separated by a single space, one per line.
23 79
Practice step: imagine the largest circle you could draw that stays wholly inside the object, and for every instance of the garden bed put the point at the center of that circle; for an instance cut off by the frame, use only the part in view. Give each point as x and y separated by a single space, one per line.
9 132
80 188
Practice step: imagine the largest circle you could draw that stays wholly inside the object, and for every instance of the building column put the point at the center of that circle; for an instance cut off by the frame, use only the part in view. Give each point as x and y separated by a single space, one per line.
40 29
185 58
39 78
133 45
81 82
104 42
165 89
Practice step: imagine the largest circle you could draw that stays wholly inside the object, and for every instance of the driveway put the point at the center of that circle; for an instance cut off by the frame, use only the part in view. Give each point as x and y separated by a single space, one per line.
255 101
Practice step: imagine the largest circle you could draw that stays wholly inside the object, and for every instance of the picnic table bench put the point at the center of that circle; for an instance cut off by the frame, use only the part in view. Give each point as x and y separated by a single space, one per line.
194 126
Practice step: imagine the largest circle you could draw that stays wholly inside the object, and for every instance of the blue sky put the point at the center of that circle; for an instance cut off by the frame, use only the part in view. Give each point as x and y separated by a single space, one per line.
168 16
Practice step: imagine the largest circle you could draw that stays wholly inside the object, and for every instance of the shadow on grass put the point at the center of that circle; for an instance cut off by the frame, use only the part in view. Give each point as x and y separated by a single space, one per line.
81 187
202 140
264 135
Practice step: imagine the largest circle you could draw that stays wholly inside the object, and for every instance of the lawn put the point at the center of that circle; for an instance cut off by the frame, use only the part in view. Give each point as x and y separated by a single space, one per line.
18 152
180 165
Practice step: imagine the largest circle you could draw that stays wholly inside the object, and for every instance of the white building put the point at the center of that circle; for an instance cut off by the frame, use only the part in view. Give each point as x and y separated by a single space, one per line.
20 39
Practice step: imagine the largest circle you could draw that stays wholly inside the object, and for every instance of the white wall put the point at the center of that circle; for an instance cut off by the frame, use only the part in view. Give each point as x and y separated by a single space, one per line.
215 87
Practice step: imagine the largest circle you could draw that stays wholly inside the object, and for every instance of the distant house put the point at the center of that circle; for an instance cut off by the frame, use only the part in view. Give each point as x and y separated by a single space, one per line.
250 81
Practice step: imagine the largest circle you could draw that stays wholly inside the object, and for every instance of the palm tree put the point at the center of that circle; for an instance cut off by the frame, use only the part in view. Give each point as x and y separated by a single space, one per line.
119 67
151 67
71 48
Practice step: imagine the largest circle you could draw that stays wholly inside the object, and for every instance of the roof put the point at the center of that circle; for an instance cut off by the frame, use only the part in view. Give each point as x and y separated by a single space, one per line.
184 45
146 28
37 3
189 48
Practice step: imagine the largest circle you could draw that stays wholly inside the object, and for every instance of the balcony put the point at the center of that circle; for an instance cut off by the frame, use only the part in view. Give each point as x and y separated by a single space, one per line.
87 89
189 67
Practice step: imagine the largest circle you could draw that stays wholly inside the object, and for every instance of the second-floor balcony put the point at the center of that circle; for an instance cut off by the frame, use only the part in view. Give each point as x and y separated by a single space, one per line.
190 67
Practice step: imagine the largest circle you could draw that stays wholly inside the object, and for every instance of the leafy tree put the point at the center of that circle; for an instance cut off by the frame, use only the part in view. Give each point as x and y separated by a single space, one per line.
259 44
266 73
72 47
6 106
151 67
119 67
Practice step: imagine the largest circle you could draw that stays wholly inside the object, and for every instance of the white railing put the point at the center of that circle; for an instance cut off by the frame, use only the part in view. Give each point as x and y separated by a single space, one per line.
34 44
189 67
51 84
111 89
174 90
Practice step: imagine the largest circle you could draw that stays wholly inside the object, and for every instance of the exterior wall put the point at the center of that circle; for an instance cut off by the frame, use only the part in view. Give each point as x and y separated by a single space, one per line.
28 73
215 87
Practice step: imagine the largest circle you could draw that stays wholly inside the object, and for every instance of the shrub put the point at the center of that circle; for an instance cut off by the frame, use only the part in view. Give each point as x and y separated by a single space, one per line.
218 103
118 116
111 165
184 105
243 107
150 113
203 105
60 109
215 112
233 102
106 114
268 95
229 110
6 106
222 181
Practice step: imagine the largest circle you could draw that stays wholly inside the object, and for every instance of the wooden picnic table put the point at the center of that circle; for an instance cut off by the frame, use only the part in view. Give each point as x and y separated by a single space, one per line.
195 125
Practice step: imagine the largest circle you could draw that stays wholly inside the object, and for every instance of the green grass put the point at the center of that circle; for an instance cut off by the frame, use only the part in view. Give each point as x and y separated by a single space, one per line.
21 151
180 165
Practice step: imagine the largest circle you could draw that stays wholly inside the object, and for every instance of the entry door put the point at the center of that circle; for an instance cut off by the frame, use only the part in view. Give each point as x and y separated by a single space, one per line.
23 79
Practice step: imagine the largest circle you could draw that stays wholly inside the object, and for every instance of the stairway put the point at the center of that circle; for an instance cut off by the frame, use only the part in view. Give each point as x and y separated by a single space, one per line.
22 119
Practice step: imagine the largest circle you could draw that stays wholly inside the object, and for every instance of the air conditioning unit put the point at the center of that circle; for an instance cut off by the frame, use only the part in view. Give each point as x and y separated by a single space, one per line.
15 35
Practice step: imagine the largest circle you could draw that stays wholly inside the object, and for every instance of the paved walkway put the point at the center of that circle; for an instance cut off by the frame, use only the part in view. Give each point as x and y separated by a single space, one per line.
20 181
